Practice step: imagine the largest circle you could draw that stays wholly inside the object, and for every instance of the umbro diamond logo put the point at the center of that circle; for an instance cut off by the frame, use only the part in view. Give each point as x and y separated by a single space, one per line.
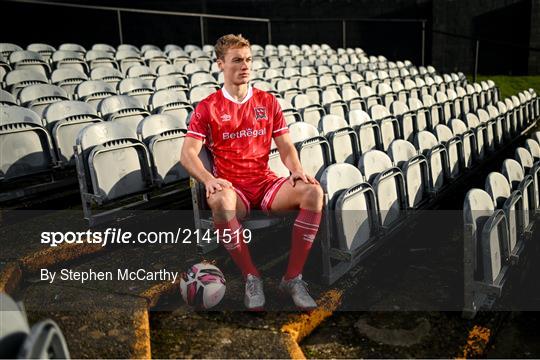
225 117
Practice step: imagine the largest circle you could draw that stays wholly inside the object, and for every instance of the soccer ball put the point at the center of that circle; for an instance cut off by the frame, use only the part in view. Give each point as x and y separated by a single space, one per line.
202 286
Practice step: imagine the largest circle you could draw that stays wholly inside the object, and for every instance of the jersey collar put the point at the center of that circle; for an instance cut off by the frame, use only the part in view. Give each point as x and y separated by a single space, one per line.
229 97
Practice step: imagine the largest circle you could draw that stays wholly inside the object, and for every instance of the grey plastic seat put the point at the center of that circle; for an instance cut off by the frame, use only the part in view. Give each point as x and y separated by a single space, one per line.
484 263
101 177
511 202
388 184
127 58
421 114
435 110
454 149
68 79
7 48
171 102
491 132
69 59
30 60
123 109
155 58
367 130
341 137
198 93
311 113
164 136
93 91
436 156
109 75
171 82
368 97
137 88
518 180
202 78
289 112
313 149
72 47
16 80
17 340
500 125
534 148
100 58
531 168
415 170
446 106
480 131
26 146
287 89
142 72
388 124
468 139
333 103
6 99
45 50
64 120
37 97
352 219
406 119
104 47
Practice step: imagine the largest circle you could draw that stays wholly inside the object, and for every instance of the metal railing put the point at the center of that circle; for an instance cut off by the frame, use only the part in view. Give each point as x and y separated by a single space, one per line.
120 10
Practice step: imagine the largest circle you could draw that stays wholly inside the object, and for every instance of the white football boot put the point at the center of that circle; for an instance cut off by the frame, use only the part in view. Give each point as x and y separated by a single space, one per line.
254 295
297 288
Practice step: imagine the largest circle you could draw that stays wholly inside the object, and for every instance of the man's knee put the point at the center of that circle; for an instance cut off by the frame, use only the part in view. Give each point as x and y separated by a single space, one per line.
224 200
313 197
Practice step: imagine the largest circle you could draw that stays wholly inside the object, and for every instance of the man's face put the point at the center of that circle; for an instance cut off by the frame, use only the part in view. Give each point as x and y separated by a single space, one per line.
236 65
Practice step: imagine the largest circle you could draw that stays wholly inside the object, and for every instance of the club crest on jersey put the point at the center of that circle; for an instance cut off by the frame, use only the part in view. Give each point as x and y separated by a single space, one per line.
260 113
225 117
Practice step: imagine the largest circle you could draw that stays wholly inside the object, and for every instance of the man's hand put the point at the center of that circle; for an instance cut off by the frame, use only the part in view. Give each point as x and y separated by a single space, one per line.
216 185
301 175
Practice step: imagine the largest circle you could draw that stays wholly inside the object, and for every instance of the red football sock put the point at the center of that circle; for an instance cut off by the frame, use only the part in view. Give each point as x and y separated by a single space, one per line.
237 248
304 231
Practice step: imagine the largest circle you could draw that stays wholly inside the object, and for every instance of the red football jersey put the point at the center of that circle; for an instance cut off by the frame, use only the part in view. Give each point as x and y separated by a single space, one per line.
238 133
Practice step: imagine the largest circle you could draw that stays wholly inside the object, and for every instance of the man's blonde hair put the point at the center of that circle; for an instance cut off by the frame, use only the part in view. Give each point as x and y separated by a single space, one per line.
230 41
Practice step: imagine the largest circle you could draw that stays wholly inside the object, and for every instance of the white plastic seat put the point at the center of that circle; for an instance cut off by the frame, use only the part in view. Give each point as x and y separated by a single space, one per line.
531 168
109 75
341 137
136 88
172 103
123 109
16 80
388 124
313 149
367 130
480 131
388 184
406 119
415 170
311 113
454 149
93 91
68 79
436 156
37 97
518 180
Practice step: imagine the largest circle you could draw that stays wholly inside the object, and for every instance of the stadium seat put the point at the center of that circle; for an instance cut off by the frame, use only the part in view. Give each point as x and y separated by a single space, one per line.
289 112
141 72
109 75
45 50
491 133
29 60
388 124
389 186
532 168
199 93
68 79
406 119
37 97
6 99
97 58
102 179
136 88
435 111
172 103
127 58
511 202
341 137
26 145
415 170
351 208
93 91
481 133
313 149
7 48
17 340
164 136
386 94
333 103
518 180
72 47
368 97
155 58
16 80
500 126
454 149
123 109
367 130
485 269
69 59
104 47
311 113
64 120
436 156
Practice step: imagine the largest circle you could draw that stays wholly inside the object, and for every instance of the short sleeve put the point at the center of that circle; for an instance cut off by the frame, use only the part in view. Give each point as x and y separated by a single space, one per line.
199 123
279 125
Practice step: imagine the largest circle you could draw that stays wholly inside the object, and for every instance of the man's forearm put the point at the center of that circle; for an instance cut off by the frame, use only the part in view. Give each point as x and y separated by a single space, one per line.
195 167
290 159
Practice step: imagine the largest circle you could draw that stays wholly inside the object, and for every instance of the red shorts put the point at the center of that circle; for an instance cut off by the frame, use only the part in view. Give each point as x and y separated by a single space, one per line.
259 193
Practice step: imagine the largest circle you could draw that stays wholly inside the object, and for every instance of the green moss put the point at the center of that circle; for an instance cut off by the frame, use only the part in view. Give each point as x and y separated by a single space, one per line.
511 85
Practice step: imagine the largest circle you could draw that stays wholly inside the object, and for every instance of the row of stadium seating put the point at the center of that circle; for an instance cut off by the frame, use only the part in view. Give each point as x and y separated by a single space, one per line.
498 222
